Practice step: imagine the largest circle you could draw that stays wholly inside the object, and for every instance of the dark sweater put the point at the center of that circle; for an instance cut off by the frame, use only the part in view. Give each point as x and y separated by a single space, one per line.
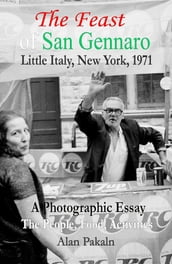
17 181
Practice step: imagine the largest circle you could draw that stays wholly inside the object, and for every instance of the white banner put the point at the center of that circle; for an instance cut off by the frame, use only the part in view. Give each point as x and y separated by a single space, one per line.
121 38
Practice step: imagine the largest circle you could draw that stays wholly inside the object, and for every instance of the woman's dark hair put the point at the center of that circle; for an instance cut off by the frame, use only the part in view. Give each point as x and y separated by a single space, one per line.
5 116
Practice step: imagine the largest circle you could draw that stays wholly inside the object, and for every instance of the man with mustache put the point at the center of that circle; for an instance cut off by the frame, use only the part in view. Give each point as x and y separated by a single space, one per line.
113 141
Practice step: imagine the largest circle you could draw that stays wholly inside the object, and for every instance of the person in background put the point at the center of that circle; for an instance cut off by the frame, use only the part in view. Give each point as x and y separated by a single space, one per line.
20 189
113 140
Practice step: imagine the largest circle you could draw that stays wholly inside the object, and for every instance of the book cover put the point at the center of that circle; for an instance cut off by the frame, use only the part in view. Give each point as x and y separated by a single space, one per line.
48 51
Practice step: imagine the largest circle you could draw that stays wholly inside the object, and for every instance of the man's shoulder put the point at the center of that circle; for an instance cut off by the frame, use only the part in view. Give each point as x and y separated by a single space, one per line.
128 122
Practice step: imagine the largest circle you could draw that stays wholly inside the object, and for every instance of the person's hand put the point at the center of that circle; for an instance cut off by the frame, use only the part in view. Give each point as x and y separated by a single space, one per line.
96 86
97 83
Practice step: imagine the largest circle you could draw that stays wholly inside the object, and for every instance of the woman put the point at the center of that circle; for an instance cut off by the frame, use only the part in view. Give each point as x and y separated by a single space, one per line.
19 190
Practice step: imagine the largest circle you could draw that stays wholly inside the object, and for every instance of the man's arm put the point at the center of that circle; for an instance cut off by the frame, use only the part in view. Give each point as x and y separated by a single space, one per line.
96 86
86 121
149 134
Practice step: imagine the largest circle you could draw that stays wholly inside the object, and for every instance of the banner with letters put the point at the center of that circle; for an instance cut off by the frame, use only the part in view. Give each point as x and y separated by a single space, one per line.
74 39
66 165
57 166
128 226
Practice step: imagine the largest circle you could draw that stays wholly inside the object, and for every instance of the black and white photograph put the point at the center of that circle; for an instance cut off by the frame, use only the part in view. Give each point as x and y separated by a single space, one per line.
85 132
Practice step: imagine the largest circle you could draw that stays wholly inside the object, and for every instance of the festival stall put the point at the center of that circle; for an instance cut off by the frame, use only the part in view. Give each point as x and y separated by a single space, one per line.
112 222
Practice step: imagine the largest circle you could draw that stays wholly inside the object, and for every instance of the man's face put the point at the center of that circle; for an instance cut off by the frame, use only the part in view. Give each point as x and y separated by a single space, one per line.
113 113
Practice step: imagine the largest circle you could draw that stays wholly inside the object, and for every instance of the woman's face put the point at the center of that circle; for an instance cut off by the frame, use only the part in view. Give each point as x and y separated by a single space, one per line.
18 135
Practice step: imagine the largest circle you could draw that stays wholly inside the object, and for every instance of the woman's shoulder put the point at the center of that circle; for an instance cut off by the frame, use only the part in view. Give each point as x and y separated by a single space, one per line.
11 162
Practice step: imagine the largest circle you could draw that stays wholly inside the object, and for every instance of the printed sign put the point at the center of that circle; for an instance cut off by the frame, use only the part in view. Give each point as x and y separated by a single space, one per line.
52 190
91 255
134 253
111 220
166 253
11 26
157 214
64 216
109 187
72 163
49 163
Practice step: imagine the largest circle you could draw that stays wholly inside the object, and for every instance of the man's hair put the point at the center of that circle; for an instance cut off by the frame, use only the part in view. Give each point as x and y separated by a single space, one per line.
113 98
